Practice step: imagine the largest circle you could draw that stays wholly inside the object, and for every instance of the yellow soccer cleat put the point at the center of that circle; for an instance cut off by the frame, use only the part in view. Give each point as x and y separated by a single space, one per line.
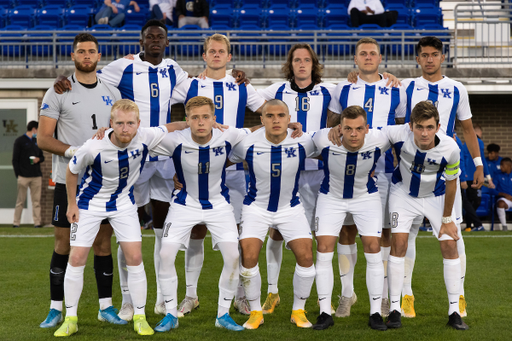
408 306
255 320
141 326
462 306
299 318
68 328
271 303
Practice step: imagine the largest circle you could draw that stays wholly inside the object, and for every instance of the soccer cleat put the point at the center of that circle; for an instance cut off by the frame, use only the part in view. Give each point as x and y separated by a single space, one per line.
299 319
467 229
462 306
187 305
225 321
323 321
477 229
408 306
455 321
110 315
377 323
255 320
141 326
54 317
271 302
384 307
160 309
148 225
126 312
345 304
168 322
394 320
504 228
68 328
242 306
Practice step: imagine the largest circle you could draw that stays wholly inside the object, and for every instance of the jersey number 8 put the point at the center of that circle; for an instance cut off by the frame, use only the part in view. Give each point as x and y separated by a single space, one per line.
350 170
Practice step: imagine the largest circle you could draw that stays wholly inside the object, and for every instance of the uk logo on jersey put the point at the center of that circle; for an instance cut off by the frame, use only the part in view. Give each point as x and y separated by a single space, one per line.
135 153
446 93
163 72
218 151
383 90
290 152
366 155
314 93
107 100
431 162
231 86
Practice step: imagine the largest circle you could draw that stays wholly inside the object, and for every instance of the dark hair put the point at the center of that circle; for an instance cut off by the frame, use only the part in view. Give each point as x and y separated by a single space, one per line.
274 102
429 41
505 159
82 38
353 112
316 70
493 147
423 111
31 125
152 22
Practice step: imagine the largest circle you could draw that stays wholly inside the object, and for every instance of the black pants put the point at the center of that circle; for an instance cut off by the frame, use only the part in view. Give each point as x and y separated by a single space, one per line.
470 203
385 19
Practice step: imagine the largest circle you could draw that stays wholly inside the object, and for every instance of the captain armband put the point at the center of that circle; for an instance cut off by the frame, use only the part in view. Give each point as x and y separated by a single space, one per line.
453 169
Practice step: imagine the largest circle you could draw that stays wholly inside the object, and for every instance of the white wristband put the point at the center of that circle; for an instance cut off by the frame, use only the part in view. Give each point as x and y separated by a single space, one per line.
70 151
478 161
447 220
488 177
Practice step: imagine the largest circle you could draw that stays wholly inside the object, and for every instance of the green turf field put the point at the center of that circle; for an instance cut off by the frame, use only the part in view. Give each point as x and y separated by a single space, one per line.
24 292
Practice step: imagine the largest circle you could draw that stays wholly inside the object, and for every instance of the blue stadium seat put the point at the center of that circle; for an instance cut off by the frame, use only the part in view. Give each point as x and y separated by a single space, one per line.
222 15
395 39
279 15
250 15
14 50
94 3
379 36
427 15
246 49
65 38
104 36
430 3
405 3
316 3
334 15
220 28
79 15
307 37
230 3
129 41
193 48
404 13
33 3
3 16
339 44
261 4
307 15
50 15
278 49
137 18
22 15
486 206
40 46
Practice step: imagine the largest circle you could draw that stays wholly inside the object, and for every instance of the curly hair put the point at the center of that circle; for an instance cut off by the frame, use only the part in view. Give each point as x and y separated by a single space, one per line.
317 70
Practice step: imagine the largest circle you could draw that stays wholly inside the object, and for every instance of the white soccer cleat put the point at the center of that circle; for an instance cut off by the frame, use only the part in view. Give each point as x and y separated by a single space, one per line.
345 304
126 312
187 305
160 309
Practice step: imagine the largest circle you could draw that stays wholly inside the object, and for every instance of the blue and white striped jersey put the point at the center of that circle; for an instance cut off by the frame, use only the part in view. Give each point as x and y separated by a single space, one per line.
348 174
201 168
307 108
449 96
423 173
382 105
111 171
274 170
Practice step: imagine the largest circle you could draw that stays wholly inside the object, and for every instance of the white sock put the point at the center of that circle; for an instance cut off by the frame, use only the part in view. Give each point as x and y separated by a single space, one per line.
168 278
410 259
385 250
303 279
240 292
451 270
138 285
347 259
156 257
105 302
251 279
502 215
274 259
73 285
123 276
461 249
374 280
396 281
57 305
229 276
324 280
194 257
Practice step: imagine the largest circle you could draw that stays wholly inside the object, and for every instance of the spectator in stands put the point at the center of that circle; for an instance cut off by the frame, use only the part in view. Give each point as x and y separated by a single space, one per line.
504 190
113 12
370 12
192 12
26 160
162 10
493 159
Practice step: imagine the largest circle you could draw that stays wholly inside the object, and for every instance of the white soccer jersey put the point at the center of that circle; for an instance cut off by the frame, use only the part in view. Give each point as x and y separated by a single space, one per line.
274 170
348 174
423 172
307 108
449 96
201 168
382 105
111 172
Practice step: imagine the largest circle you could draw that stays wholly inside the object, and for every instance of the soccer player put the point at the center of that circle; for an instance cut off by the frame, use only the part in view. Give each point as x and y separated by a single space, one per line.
349 187
425 184
493 159
275 161
66 122
384 105
106 192
503 190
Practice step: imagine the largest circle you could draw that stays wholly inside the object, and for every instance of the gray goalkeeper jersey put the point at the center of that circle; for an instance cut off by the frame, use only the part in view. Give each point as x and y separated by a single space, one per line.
79 114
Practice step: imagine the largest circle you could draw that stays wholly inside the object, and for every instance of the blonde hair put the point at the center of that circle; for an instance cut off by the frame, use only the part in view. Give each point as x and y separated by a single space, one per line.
124 105
218 38
199 101
367 40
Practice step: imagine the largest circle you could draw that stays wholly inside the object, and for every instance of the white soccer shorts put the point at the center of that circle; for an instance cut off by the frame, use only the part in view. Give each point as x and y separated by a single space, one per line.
235 181
506 201
155 182
309 185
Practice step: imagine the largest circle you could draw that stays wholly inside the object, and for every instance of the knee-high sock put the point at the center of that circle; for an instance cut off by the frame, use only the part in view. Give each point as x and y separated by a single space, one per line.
168 278
73 285
123 276
502 216
229 277
104 273
324 280
374 280
303 279
194 257
410 259
157 258
251 280
58 266
138 285
274 259
240 292
385 250
396 281
347 259
461 249
451 269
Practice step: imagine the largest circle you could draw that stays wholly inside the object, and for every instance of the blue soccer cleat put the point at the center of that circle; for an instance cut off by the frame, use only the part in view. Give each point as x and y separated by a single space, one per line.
54 317
225 321
168 322
110 315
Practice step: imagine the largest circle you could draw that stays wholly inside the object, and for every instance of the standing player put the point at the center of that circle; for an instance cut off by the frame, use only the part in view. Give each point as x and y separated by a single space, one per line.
384 105
275 161
66 122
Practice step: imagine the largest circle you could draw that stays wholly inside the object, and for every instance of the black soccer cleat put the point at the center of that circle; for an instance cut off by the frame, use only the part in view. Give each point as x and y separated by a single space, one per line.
377 323
455 321
323 321
394 319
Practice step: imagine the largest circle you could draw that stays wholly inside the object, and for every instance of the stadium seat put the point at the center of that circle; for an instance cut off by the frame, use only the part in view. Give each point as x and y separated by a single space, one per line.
191 42
137 18
486 206
315 3
427 15
278 49
22 15
307 15
246 49
430 3
33 3
405 3
104 36
222 15
334 15
14 40
308 37
227 3
128 42
220 28
250 15
279 15
395 39
404 13
94 3
379 36
50 15
65 37
339 44
79 15
3 16
40 46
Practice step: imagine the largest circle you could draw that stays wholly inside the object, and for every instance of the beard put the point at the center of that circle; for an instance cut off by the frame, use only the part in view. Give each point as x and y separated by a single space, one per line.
83 68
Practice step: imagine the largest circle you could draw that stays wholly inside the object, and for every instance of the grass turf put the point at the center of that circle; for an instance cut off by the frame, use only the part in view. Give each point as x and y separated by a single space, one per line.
24 290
